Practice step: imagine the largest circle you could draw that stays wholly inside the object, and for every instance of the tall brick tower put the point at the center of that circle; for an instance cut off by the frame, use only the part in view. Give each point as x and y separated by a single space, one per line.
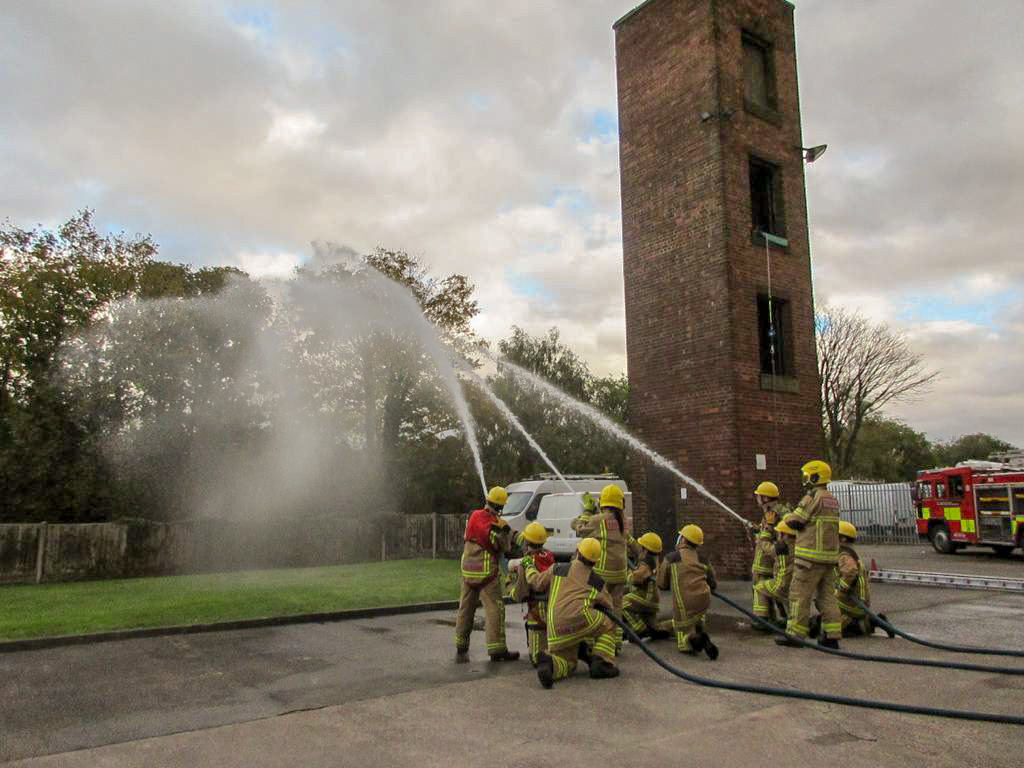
719 329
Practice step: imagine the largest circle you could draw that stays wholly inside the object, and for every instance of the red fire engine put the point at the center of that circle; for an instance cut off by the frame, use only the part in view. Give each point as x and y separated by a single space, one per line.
975 502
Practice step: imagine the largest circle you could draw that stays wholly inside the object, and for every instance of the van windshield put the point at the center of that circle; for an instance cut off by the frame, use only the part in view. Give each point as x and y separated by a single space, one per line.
517 500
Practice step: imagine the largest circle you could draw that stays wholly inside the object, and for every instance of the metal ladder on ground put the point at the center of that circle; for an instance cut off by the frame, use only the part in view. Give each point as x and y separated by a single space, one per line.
955 580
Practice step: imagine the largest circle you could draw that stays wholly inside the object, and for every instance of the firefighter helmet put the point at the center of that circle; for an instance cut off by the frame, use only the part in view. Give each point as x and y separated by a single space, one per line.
590 549
848 530
783 528
535 533
767 488
816 472
651 542
497 496
612 496
693 534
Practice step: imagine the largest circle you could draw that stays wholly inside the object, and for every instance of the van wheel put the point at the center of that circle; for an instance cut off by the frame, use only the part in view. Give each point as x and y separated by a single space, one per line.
939 535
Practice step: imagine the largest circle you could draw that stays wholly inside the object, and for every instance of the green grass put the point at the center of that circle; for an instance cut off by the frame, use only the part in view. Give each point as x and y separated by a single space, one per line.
100 606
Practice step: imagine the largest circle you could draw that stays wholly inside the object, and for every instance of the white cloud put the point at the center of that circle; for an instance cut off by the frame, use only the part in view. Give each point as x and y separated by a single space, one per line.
294 130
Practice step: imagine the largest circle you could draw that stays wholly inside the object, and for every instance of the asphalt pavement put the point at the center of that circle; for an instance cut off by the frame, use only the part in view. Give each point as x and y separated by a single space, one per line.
386 692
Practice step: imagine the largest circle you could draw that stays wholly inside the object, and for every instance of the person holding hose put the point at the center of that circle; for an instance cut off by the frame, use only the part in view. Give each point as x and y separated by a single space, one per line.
772 510
691 580
774 592
852 581
487 538
816 521
535 562
640 605
608 526
576 628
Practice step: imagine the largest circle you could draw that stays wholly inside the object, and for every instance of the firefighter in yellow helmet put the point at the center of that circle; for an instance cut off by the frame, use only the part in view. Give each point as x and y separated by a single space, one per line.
640 605
691 580
772 510
487 538
576 629
852 581
536 561
816 521
608 526
774 592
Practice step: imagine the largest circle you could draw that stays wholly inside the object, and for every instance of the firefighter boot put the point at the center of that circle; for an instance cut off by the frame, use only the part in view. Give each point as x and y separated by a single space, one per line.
660 634
461 654
505 656
601 669
829 642
709 648
584 655
815 629
697 644
545 670
789 640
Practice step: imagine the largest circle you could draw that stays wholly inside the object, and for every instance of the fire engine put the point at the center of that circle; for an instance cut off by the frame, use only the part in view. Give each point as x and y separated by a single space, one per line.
975 502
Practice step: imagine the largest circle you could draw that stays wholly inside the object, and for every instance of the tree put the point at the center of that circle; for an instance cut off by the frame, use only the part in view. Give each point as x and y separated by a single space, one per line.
864 366
974 446
889 451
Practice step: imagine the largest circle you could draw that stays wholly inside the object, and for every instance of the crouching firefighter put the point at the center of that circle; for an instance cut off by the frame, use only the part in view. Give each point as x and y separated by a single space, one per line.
535 562
763 567
772 595
487 537
852 581
691 581
576 628
640 605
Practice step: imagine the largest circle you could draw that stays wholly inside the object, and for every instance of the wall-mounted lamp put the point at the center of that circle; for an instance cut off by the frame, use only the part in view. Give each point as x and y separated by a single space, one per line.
813 153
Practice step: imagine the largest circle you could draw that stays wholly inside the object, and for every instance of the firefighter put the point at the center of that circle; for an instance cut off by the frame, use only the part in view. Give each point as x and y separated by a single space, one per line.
576 629
589 508
691 580
772 510
640 605
487 537
609 528
774 592
816 521
536 561
852 581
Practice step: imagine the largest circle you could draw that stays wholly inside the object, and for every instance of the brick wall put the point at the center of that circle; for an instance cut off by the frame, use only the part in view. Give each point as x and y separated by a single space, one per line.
692 271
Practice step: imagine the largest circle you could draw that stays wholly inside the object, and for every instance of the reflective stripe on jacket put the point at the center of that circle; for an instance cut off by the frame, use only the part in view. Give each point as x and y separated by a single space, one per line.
816 520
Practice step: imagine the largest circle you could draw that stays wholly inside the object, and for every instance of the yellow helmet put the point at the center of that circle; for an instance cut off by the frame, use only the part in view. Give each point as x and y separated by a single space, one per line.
497 496
535 533
612 496
767 489
816 472
783 528
693 534
651 542
590 548
849 530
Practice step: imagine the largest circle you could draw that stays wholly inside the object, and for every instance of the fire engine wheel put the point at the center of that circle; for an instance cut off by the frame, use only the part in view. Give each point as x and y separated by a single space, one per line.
939 535
1004 551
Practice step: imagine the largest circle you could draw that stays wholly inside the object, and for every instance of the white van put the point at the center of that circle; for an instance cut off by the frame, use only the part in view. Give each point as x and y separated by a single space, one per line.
546 500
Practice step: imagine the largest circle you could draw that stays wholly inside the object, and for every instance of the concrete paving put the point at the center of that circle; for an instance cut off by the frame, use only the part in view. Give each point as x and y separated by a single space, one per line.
386 692
981 561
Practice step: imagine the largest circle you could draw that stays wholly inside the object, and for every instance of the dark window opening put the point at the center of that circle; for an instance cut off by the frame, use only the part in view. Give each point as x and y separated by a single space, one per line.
775 331
534 508
758 74
766 198
956 487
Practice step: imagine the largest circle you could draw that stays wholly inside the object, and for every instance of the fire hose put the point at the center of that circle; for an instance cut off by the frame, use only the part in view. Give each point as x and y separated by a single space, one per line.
888 627
848 701
869 656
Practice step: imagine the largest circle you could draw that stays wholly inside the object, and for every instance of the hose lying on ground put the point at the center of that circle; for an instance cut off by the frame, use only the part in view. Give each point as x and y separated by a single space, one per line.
869 656
888 627
848 701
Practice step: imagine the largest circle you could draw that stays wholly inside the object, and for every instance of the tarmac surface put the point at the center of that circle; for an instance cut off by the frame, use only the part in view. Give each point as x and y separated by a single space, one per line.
386 692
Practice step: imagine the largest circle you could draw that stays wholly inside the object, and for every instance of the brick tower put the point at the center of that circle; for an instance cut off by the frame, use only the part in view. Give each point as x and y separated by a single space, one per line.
719 330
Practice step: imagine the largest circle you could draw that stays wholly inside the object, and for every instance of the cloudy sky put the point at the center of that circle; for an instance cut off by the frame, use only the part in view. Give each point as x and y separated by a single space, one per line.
482 136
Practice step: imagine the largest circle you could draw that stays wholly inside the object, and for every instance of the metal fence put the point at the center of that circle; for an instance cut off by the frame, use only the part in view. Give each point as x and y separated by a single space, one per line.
883 512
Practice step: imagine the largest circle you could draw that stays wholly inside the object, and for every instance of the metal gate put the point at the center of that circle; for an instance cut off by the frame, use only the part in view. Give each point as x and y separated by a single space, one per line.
883 512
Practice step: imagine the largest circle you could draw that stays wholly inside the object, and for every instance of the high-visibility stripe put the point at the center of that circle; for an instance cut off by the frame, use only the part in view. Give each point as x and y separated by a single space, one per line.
951 513
817 556
926 514
968 526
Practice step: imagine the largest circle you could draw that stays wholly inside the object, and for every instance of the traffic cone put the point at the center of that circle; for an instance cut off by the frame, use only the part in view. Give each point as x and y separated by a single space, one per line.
874 566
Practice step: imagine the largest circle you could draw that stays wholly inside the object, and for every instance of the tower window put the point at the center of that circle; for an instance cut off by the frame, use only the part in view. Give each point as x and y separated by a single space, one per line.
758 74
774 325
766 198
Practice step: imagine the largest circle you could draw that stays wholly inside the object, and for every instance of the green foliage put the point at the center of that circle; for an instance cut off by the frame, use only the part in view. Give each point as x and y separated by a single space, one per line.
975 446
889 451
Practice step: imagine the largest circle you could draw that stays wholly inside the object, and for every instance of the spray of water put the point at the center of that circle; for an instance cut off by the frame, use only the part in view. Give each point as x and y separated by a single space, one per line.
507 412
427 335
614 429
